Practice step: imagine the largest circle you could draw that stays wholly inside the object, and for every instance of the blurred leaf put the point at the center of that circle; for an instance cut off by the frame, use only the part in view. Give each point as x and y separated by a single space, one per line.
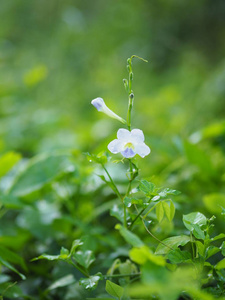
7 161
91 282
117 212
84 258
114 289
191 219
201 248
223 248
197 232
211 250
64 255
172 242
218 237
199 158
129 236
64 281
39 172
143 254
177 256
130 201
220 265
159 211
35 75
214 202
11 291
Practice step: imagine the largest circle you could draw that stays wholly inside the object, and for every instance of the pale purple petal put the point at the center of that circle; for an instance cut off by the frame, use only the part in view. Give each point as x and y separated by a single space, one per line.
115 146
142 149
137 135
98 103
128 152
123 134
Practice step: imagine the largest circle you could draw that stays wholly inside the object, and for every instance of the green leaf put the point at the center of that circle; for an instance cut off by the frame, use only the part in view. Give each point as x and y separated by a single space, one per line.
84 258
114 289
192 219
159 211
197 232
129 236
143 254
75 245
91 282
130 201
100 158
169 210
220 265
168 191
64 281
64 255
214 202
218 237
8 257
172 242
146 187
211 250
7 161
177 256
39 172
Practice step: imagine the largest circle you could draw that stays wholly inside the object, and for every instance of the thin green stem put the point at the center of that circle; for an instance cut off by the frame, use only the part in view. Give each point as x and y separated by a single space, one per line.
113 184
79 269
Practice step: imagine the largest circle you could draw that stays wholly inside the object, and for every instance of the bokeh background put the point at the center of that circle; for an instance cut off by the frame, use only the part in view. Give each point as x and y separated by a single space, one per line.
56 56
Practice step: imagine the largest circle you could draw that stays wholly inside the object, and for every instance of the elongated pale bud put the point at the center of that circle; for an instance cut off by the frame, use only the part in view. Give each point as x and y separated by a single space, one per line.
100 105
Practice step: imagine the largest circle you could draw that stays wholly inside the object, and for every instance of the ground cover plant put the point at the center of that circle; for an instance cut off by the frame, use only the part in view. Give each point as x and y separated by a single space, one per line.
97 230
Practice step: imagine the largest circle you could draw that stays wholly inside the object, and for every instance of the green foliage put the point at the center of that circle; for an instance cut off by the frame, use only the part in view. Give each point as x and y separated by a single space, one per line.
59 203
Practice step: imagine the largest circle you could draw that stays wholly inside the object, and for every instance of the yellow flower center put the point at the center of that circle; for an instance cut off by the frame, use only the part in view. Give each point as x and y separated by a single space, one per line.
129 145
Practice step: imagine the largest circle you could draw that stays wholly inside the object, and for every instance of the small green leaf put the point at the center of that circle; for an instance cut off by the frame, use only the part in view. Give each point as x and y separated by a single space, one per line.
146 187
91 282
75 245
84 258
172 242
159 211
169 210
168 191
129 236
192 219
114 289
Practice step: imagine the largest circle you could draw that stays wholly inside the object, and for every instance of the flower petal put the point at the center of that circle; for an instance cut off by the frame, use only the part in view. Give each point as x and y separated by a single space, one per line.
98 103
115 146
137 135
142 149
123 134
128 152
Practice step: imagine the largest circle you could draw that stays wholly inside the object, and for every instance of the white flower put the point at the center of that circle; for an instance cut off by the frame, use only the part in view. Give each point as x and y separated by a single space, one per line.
129 143
100 105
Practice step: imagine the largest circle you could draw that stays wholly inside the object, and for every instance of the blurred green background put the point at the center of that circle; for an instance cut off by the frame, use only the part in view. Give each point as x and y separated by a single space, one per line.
57 55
